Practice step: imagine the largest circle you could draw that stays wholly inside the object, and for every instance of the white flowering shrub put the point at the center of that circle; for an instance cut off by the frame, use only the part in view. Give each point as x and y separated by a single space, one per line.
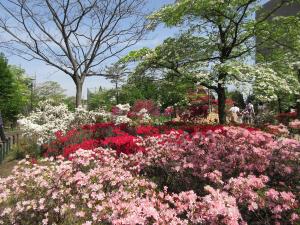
47 119
122 120
83 116
124 108
144 116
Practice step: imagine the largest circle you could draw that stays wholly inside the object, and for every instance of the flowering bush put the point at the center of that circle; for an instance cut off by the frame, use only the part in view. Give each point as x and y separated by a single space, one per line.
49 119
169 111
280 129
248 165
93 188
100 186
117 136
285 118
180 175
149 105
122 120
119 113
45 121
120 109
194 112
295 124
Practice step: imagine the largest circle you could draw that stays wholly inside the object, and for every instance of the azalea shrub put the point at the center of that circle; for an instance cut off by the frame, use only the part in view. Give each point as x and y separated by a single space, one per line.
294 127
285 118
214 175
93 188
120 137
279 130
194 112
42 124
149 105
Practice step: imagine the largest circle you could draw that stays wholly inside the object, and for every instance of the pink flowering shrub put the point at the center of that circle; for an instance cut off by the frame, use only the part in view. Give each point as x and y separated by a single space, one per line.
158 175
295 127
231 150
280 130
168 111
96 188
295 124
245 164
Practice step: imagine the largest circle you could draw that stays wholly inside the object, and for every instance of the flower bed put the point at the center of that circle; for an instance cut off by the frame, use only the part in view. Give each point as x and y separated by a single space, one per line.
175 174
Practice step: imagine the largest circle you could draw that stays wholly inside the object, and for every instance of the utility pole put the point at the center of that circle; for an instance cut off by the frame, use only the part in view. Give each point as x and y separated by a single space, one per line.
32 86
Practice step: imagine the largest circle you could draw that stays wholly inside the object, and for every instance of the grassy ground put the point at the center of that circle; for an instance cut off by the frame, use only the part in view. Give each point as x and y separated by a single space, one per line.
6 167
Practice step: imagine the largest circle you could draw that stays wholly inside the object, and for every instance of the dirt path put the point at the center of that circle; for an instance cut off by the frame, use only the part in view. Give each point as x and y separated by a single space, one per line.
6 168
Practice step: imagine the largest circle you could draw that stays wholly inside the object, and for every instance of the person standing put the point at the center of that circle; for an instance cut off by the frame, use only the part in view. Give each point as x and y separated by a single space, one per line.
234 111
248 113
2 134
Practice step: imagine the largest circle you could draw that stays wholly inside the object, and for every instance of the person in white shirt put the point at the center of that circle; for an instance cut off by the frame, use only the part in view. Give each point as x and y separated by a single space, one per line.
234 114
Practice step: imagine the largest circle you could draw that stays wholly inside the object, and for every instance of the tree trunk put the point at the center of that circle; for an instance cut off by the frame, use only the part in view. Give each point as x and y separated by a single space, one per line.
78 93
117 93
279 105
221 104
298 107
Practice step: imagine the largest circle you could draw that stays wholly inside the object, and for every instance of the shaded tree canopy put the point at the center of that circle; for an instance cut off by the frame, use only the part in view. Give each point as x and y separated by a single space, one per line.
15 92
217 39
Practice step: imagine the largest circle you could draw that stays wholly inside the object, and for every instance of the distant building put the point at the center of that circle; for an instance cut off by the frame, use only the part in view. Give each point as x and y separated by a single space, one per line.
286 10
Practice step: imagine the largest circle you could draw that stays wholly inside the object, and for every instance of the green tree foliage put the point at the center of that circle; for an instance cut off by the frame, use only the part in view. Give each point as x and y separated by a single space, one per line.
117 73
216 41
281 50
49 90
165 73
15 93
102 98
139 87
238 98
168 91
70 101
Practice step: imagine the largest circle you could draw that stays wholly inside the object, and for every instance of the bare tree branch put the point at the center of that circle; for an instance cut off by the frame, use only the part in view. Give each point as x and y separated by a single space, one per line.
78 37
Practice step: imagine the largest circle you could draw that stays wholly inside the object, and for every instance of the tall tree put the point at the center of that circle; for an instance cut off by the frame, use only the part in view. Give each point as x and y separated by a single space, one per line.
76 37
49 90
117 73
168 71
227 29
15 93
281 50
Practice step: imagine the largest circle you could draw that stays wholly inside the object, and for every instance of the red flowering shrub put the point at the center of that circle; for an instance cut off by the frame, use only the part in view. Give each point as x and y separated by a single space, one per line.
119 137
169 111
279 130
194 112
149 105
261 173
285 118
192 175
122 144
146 130
86 145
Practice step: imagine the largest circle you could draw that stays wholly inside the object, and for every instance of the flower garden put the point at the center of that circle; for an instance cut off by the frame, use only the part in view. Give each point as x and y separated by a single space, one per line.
121 167
191 115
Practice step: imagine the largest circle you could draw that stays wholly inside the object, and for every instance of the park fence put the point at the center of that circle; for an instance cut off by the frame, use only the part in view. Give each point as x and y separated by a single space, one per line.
5 147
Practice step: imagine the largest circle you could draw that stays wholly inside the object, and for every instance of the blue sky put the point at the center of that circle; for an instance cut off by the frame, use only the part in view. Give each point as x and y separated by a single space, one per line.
44 73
